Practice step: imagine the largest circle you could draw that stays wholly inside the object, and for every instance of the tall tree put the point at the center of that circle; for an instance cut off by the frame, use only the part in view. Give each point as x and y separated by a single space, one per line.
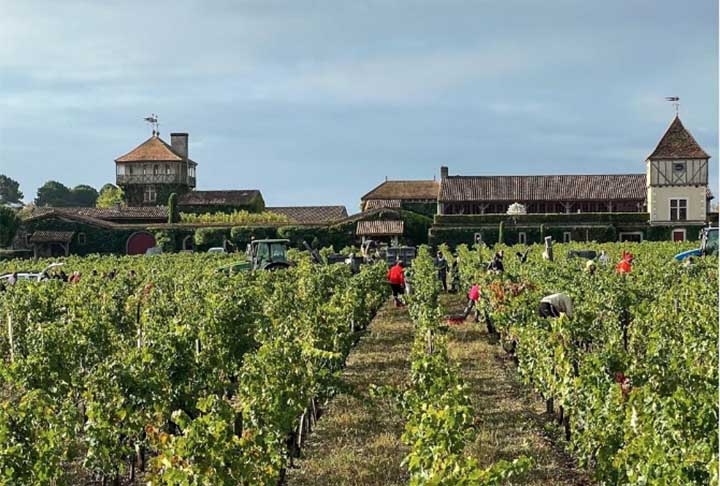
9 190
110 195
84 196
9 223
54 193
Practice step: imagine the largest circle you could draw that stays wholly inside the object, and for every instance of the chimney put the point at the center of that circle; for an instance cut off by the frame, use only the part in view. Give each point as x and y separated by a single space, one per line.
179 144
443 172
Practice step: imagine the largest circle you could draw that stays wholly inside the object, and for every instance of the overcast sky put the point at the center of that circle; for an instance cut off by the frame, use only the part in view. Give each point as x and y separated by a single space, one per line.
316 102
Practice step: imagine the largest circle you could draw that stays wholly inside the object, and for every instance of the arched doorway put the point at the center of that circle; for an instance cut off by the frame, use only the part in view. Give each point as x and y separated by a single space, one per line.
188 243
139 242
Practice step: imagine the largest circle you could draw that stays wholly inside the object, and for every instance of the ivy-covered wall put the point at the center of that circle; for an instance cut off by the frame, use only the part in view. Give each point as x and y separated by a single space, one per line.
255 205
569 218
87 238
426 209
454 235
134 193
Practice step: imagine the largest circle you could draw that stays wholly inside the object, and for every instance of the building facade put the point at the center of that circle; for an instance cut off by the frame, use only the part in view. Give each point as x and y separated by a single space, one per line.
153 170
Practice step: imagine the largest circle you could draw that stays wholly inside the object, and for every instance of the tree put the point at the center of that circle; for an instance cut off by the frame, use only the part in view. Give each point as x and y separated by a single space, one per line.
110 196
9 224
54 193
173 214
84 196
9 190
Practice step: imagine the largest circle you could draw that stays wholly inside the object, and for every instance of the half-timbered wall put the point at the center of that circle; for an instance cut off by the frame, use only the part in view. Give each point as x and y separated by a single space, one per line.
678 172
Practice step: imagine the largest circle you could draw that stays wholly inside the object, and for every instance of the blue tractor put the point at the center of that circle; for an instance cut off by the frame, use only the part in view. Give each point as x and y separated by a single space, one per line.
708 245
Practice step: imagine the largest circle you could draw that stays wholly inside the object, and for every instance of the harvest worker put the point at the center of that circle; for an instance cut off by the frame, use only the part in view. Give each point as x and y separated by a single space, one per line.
590 267
396 278
442 266
473 297
604 259
496 265
553 305
625 265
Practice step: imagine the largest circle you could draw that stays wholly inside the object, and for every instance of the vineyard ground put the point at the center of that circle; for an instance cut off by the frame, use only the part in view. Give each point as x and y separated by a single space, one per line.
357 439
511 420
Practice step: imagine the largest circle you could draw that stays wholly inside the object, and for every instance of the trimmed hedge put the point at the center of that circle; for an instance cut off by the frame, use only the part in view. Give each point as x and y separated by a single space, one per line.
209 237
570 218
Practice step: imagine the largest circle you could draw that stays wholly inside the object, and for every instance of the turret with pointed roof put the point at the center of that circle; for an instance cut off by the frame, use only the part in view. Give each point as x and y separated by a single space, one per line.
677 180
153 170
677 143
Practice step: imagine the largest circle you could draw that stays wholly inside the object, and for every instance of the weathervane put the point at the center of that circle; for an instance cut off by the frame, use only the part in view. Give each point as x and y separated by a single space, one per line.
153 120
675 101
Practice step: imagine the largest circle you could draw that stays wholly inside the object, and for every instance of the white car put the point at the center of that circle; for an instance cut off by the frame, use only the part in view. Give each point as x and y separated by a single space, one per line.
36 276
216 249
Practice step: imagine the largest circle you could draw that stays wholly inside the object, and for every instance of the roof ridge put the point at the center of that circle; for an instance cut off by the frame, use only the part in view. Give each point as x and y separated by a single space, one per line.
677 143
547 175
146 142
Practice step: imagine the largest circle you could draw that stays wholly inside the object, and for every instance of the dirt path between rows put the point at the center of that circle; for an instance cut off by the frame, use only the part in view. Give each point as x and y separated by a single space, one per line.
357 439
511 419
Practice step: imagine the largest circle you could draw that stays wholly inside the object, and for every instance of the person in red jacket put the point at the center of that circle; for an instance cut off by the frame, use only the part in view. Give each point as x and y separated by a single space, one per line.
396 278
625 265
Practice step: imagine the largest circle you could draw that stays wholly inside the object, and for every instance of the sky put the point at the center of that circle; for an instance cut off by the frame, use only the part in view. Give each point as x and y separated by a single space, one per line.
317 102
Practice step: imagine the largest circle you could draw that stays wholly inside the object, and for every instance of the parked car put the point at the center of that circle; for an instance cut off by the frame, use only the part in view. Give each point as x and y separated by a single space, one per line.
36 276
216 249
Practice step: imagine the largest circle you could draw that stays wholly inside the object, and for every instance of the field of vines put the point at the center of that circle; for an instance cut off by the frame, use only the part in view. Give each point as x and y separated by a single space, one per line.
632 377
174 374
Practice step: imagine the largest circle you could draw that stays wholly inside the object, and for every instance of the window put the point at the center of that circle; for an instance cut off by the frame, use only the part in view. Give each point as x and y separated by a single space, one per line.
130 170
167 169
522 238
679 167
155 169
678 235
678 209
150 194
81 239
567 237
635 236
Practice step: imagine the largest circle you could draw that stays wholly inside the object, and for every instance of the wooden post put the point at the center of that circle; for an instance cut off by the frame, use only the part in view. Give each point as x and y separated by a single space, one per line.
10 337
548 248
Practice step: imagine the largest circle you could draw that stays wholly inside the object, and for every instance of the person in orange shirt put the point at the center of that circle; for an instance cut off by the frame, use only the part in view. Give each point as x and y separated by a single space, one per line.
396 278
625 265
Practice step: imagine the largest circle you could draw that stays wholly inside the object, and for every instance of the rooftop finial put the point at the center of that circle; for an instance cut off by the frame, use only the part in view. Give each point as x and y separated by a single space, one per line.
675 101
153 121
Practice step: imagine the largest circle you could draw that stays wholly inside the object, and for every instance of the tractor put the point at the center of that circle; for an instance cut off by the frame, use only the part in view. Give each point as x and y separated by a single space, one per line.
708 245
262 255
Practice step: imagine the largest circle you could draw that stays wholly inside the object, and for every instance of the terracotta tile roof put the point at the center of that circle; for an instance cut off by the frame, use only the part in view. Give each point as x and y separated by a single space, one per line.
379 228
60 213
111 214
152 149
51 236
543 188
381 203
311 214
677 143
218 198
414 190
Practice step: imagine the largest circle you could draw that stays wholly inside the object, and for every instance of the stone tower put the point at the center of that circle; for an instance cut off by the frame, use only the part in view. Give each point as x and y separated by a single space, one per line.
150 172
